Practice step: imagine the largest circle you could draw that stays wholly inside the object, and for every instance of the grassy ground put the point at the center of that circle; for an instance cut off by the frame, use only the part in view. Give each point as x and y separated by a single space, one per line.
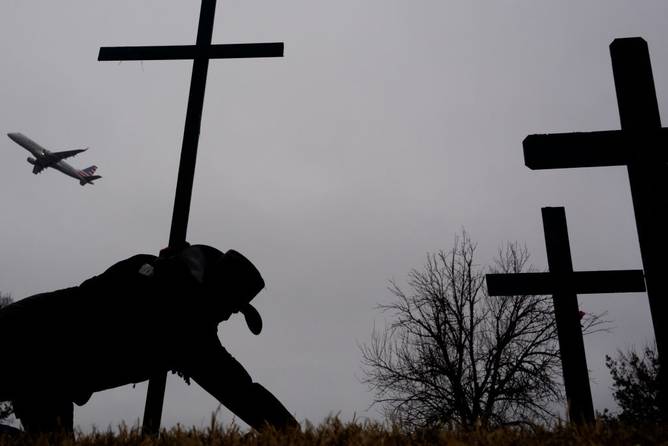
334 432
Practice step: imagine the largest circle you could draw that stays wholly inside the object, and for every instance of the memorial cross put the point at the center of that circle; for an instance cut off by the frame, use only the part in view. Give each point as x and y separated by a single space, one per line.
200 53
640 146
564 285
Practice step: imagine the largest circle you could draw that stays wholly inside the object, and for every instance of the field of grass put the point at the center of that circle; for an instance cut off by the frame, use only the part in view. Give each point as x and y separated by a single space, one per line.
333 432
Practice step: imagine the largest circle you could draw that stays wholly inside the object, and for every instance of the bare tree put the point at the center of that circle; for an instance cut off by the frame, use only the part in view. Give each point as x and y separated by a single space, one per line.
454 356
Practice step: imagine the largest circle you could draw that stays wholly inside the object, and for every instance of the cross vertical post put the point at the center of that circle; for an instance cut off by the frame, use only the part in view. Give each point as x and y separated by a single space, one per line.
639 113
155 395
200 53
184 183
566 313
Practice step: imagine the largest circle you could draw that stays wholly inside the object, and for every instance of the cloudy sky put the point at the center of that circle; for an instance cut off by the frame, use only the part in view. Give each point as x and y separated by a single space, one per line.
387 128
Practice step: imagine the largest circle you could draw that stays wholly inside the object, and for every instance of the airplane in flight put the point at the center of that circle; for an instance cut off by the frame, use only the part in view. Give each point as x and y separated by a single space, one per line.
44 158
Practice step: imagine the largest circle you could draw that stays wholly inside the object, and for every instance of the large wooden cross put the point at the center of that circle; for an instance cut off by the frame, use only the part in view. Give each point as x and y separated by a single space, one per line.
200 53
564 285
641 146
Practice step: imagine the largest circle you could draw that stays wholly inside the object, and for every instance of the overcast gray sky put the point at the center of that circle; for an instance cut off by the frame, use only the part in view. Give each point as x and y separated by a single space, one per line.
388 127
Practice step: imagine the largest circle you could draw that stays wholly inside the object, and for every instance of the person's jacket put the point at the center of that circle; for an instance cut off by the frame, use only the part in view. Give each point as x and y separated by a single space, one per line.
141 317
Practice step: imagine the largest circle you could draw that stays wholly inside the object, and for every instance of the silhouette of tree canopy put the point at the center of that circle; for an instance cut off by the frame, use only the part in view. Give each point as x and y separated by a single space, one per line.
6 409
454 356
635 385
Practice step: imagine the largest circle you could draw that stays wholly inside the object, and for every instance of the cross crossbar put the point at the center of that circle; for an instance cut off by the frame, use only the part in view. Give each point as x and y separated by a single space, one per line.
180 52
578 282
594 149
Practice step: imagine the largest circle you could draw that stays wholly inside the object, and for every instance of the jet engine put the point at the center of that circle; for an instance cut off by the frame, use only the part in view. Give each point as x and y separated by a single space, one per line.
32 161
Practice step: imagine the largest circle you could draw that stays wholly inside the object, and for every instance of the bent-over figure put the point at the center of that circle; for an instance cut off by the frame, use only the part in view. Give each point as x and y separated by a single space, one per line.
143 316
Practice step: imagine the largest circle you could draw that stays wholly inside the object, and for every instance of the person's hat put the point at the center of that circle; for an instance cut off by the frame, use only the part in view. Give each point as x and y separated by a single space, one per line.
236 273
230 273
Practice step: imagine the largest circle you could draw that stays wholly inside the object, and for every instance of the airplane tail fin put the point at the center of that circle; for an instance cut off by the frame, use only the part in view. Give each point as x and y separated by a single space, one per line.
89 170
86 175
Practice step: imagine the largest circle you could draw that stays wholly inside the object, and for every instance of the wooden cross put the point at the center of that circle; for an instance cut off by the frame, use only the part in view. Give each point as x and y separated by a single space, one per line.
640 146
564 284
200 53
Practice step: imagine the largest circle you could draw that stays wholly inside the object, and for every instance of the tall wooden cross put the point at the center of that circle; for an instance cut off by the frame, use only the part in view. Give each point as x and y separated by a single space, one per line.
200 53
564 285
640 146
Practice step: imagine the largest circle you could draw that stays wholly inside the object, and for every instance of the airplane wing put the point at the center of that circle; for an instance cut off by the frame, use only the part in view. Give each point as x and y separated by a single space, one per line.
59 156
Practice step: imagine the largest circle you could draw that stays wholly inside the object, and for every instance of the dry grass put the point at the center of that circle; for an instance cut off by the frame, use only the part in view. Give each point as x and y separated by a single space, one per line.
333 432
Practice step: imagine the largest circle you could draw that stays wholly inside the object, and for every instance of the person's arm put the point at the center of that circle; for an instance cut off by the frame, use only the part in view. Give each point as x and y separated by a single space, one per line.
226 379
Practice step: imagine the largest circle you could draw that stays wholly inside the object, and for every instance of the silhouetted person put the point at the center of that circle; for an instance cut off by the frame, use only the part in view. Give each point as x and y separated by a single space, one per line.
143 316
